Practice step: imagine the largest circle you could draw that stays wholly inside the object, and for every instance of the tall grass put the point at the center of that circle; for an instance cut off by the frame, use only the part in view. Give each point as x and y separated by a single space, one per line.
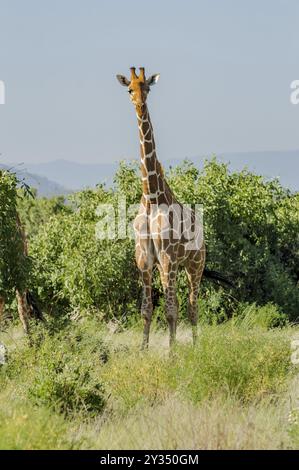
85 386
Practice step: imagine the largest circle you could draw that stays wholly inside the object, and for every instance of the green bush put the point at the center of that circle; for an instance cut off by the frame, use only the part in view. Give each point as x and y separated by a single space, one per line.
251 230
66 376
60 367
14 265
25 427
231 361
240 376
67 386
268 316
75 270
244 363
37 211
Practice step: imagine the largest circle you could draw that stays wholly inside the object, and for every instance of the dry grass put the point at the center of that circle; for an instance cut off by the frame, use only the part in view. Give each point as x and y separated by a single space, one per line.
236 391
175 424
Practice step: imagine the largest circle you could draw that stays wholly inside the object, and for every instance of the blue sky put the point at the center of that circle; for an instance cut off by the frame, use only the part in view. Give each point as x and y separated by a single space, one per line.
226 68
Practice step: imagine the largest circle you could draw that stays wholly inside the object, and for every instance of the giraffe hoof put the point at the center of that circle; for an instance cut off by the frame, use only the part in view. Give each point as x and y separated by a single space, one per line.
144 347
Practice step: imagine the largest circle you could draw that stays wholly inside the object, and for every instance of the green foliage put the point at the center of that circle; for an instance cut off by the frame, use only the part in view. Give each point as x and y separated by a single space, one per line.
23 427
127 182
53 394
35 212
251 231
74 269
268 316
230 360
14 266
68 370
62 368
234 361
66 386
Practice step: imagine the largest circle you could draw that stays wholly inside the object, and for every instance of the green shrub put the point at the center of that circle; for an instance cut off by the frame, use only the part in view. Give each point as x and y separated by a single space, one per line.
14 265
73 269
49 390
61 368
251 229
229 361
67 386
67 369
25 427
267 316
251 232
246 364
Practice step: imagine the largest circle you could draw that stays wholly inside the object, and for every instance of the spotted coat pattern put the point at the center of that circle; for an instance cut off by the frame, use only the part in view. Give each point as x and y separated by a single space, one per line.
168 234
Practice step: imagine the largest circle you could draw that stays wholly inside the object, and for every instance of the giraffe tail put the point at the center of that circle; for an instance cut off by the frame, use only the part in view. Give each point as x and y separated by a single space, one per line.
218 277
34 309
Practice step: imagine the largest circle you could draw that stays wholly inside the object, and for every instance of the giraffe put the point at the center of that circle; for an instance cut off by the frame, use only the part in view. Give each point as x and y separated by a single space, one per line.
167 234
25 301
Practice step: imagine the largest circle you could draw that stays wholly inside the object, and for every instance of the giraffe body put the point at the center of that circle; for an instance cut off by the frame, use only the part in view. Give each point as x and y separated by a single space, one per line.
167 234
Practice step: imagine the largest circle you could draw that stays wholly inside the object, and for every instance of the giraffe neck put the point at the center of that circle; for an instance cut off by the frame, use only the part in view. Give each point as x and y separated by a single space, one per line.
154 186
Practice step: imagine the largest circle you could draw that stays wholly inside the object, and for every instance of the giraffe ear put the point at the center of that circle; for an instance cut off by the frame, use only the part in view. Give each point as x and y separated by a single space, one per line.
153 79
123 80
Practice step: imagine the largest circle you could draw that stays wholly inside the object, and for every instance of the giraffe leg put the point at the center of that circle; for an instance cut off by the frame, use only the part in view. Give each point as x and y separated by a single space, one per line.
193 307
171 312
146 306
145 263
194 270
23 310
168 274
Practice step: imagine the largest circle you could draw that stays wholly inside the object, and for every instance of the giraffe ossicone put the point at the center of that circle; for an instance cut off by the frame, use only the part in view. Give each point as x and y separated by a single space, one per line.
167 233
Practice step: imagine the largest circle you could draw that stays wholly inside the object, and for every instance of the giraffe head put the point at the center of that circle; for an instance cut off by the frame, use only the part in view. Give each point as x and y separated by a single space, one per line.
138 87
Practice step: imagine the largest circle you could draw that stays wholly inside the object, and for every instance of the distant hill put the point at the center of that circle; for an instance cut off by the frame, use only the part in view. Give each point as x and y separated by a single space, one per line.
281 164
276 164
75 175
44 186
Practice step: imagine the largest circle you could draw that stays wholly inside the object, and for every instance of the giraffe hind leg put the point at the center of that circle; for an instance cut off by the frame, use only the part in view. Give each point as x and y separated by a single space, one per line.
168 274
194 271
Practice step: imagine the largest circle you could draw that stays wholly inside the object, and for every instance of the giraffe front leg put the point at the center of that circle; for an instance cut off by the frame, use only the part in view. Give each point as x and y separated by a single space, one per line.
168 275
145 262
23 310
146 306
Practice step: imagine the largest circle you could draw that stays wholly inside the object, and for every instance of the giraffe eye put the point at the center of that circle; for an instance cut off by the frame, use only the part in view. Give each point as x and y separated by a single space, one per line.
130 91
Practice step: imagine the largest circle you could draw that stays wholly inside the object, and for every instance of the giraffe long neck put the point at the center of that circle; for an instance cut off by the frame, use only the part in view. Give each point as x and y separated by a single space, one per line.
154 186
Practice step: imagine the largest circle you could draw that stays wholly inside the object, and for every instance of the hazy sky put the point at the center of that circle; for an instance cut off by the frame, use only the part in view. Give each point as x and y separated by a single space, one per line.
226 68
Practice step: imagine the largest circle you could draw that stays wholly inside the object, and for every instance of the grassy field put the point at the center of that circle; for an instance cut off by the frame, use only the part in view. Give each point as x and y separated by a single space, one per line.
86 386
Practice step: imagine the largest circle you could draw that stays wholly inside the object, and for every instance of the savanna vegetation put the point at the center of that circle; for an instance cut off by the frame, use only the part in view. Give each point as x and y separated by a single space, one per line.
81 381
